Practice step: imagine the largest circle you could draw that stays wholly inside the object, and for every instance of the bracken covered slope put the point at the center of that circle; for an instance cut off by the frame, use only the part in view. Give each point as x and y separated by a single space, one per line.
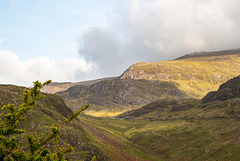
195 76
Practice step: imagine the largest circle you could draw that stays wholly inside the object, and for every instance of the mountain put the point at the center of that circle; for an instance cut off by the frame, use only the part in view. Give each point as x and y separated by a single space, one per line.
195 76
208 54
56 87
111 97
191 77
49 111
224 103
188 129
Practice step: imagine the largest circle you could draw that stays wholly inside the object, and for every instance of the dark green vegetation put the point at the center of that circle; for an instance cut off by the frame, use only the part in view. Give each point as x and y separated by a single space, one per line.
119 95
51 110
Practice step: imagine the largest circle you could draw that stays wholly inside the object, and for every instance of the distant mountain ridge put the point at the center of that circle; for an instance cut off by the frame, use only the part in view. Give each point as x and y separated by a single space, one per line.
211 53
62 86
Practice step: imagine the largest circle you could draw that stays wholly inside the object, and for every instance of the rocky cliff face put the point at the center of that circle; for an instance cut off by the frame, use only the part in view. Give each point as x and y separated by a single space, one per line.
228 90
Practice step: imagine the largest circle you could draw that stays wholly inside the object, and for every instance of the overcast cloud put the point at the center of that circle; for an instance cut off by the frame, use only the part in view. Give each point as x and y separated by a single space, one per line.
155 30
134 31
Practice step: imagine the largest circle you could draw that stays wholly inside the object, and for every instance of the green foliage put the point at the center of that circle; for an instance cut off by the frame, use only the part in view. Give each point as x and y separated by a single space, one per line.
10 146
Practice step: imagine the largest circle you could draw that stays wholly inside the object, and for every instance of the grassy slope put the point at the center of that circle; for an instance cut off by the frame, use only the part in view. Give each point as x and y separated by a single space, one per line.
189 140
47 112
107 134
195 76
211 53
186 109
174 139
111 97
187 129
224 103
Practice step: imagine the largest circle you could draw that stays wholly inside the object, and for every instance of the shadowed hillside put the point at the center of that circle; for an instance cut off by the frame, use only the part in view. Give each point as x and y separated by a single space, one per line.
224 103
228 90
110 97
212 53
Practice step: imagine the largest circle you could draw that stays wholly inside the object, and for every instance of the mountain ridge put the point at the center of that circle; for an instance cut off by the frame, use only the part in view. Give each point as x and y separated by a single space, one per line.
223 103
194 76
210 53
119 95
62 86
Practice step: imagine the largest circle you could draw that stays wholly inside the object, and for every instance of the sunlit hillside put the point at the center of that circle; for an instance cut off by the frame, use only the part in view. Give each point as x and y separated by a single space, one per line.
194 76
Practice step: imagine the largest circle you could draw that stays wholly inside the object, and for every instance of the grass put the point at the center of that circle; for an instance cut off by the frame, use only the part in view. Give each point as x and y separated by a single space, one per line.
176 139
115 133
103 113
195 76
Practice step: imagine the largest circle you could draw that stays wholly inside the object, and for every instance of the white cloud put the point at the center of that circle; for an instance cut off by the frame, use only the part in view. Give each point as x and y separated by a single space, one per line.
154 30
15 71
183 26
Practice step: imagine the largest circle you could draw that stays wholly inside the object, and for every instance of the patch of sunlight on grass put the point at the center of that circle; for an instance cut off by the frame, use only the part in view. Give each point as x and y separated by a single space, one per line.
157 126
195 76
103 113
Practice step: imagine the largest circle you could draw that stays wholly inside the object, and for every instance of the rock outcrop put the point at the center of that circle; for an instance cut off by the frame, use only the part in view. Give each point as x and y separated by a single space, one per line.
120 94
228 90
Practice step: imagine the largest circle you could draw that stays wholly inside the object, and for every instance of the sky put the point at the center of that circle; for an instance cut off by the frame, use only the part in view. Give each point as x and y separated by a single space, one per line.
77 40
